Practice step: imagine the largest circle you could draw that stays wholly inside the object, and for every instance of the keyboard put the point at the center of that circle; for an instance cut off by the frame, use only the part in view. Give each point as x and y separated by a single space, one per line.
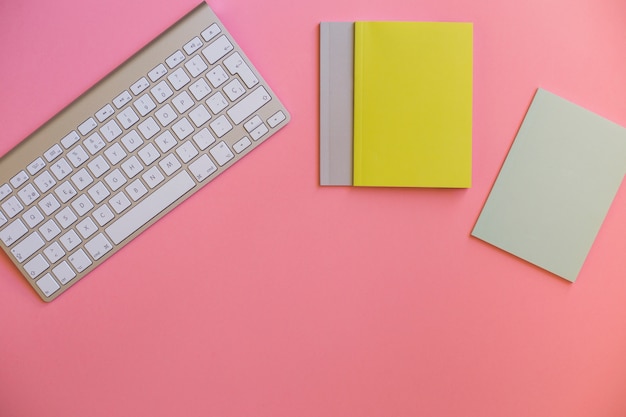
154 131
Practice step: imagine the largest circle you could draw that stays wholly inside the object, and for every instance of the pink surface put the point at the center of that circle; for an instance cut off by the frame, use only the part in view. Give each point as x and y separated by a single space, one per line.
267 295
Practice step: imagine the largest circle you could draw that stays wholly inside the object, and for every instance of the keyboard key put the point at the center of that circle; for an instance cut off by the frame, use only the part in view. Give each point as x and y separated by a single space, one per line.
82 205
28 246
52 153
149 128
132 166
61 169
127 117
77 156
183 102
70 139
217 102
200 115
36 266
179 79
5 190
200 89
257 133
132 141
221 126
66 217
104 113
248 105
49 230
276 119
36 166
120 202
196 66
12 207
222 154
144 105
216 50
165 141
217 76
136 189
150 207
234 90
161 92
44 181
148 154
139 86
187 151
98 166
80 261
210 32
86 227
157 72
103 215
192 46
13 232
19 179
166 115
87 126
241 144
54 252
122 99
48 285
70 240
175 59
98 246
115 153
252 124
153 177
111 130
236 65
33 217
169 164
204 139
202 168
182 128
115 179
81 179
63 273
99 192
65 192
28 194
94 143
49 204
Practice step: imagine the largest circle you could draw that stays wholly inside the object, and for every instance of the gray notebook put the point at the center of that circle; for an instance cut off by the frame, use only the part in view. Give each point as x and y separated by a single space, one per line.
336 102
555 187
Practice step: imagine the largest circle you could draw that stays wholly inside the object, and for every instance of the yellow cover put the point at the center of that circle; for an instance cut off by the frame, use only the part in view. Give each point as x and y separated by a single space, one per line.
413 104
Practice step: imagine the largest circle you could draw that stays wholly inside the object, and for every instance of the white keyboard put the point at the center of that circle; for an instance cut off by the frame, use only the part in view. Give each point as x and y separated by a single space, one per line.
157 129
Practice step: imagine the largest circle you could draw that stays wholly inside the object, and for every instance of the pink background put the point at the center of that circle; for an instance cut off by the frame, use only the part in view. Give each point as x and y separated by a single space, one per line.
267 295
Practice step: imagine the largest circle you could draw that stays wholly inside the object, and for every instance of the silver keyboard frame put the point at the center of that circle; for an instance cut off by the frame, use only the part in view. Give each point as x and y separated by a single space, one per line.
120 79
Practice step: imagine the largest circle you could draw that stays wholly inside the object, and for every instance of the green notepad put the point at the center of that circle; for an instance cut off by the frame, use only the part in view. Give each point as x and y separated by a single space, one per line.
413 104
556 186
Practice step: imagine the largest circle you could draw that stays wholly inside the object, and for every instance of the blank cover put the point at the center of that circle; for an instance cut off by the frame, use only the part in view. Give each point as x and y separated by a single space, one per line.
555 186
336 101
413 104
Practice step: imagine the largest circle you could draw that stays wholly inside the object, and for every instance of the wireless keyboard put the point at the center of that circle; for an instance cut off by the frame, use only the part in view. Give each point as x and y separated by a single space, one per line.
153 132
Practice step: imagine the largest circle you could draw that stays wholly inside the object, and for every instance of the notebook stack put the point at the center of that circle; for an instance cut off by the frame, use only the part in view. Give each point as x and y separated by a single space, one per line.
396 111
396 104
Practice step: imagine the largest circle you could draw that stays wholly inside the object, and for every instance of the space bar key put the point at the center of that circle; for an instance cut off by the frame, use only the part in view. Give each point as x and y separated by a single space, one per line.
151 206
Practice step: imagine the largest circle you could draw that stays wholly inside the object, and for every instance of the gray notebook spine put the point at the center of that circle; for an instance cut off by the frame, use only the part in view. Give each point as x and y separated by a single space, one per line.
336 102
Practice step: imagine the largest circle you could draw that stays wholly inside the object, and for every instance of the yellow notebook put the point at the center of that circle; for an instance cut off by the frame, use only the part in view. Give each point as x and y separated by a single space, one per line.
413 104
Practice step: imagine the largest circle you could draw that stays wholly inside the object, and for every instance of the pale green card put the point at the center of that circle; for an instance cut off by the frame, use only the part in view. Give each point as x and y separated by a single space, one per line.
556 186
